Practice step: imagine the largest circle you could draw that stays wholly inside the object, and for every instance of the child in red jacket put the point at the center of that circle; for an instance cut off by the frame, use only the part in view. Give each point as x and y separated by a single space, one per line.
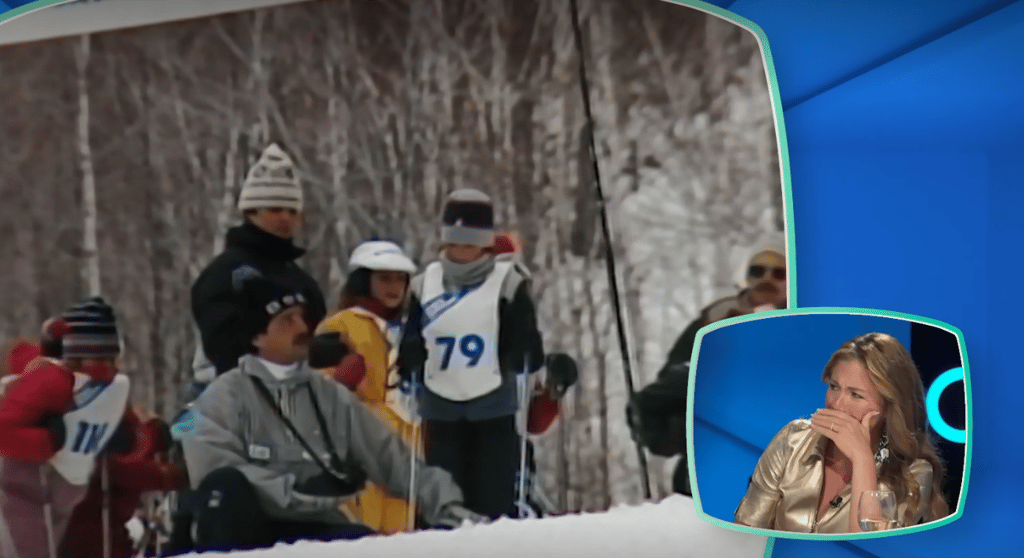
127 481
56 416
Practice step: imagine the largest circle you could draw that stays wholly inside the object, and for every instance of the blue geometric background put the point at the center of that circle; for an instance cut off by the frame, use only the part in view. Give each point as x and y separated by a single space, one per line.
905 129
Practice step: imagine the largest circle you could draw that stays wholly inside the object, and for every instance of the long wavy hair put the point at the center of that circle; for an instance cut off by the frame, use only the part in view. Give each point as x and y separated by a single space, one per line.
895 376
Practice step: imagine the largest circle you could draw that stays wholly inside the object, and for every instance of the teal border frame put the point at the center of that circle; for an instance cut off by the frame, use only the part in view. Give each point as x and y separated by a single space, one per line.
787 203
30 7
969 425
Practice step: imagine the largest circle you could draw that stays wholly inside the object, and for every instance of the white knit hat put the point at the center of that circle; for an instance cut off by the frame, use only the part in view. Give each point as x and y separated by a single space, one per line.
772 241
271 182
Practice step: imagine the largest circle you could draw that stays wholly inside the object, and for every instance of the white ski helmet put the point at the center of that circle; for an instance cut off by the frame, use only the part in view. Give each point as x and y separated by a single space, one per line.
380 255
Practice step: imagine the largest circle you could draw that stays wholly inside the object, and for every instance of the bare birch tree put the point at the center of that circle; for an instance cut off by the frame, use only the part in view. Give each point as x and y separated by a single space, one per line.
90 249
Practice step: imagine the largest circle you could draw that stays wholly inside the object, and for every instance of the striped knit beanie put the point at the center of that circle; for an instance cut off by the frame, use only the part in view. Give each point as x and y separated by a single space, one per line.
271 182
468 219
89 331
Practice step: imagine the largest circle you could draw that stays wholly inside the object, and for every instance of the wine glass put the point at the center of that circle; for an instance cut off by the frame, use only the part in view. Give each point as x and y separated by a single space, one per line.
877 511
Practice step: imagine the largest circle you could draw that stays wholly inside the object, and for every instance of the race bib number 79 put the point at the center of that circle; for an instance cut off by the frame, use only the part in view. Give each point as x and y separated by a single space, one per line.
471 347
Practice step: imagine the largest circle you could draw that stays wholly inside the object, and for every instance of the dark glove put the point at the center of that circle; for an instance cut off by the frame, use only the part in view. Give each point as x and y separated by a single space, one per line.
327 350
123 440
633 420
347 479
453 515
660 432
175 476
327 484
162 438
562 374
58 430
412 356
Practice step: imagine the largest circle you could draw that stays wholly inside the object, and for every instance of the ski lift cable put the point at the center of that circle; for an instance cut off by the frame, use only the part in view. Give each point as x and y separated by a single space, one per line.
609 256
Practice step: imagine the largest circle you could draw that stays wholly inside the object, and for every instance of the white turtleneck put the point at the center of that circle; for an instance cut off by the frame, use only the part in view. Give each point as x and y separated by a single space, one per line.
279 371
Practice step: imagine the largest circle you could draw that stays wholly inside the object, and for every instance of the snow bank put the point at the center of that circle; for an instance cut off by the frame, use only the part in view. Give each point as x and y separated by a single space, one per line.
669 529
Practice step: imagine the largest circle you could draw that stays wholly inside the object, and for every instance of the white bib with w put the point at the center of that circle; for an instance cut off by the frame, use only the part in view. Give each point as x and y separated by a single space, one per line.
98 409
461 334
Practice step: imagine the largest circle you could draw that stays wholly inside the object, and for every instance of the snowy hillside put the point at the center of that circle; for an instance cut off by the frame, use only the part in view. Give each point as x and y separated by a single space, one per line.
669 529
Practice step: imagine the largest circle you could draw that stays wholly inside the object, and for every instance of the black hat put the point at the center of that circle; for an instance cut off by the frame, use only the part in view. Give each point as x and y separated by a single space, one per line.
265 298
89 330
468 218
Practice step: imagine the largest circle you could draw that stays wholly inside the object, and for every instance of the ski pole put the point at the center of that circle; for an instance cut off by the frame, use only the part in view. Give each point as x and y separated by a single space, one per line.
105 485
413 461
48 512
158 513
524 382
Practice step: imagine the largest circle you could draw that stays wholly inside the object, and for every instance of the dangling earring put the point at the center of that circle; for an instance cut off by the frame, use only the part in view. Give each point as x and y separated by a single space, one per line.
883 448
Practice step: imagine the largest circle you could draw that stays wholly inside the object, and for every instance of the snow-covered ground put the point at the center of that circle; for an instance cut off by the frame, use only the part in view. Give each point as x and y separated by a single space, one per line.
669 529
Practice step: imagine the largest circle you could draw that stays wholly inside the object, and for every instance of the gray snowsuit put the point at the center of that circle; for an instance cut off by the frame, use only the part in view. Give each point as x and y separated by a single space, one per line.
235 427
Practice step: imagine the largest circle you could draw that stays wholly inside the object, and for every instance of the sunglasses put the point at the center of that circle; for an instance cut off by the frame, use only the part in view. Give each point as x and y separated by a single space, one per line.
759 271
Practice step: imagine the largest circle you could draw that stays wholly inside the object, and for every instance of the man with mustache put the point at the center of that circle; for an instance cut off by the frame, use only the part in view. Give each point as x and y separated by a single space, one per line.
271 204
657 414
276 448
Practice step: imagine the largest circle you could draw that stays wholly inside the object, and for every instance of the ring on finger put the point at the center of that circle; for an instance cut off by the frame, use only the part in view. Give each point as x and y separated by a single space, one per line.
833 427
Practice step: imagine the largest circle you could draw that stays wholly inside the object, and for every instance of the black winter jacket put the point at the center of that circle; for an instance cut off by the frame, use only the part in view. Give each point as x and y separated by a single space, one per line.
216 304
657 413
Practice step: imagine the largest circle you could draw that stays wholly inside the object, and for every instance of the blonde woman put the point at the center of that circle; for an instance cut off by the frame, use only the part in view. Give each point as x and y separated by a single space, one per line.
370 320
871 435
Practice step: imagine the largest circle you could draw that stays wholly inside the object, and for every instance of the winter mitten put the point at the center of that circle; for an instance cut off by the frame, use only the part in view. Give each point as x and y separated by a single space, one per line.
327 350
454 515
636 427
351 477
175 476
51 337
58 430
562 374
543 412
16 357
655 430
412 356
322 484
351 371
161 432
123 440
329 485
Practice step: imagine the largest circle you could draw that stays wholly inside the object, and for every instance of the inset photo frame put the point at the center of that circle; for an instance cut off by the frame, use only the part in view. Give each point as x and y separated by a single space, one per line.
793 414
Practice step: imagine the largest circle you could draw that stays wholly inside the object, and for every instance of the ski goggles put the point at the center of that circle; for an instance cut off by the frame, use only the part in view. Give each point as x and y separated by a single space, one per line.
759 271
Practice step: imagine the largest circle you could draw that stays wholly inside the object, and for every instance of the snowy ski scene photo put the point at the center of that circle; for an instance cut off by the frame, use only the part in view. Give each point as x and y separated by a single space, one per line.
373 277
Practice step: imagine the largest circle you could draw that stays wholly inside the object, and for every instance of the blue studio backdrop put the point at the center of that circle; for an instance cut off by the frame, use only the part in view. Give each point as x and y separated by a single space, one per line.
753 378
905 129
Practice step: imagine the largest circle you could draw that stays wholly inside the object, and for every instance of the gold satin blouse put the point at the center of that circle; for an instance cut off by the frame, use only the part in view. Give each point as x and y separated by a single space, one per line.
786 485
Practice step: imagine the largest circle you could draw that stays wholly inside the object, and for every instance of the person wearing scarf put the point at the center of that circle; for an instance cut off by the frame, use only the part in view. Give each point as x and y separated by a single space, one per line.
368 326
472 329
